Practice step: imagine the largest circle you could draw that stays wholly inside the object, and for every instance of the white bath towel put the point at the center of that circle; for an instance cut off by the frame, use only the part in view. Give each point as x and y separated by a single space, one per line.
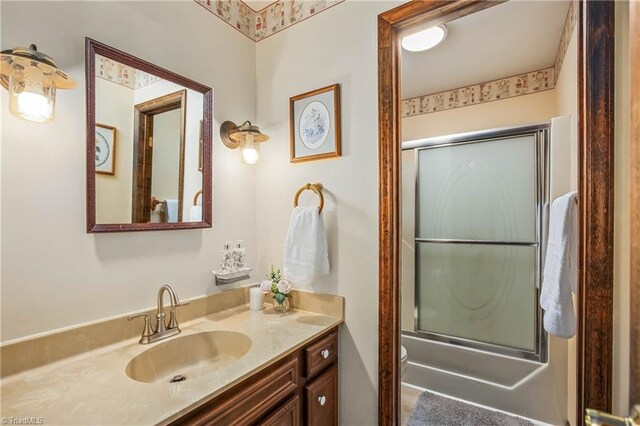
561 268
195 214
171 214
305 248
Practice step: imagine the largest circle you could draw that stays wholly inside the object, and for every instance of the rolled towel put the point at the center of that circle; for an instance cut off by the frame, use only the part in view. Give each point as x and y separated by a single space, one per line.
195 214
172 211
305 248
561 268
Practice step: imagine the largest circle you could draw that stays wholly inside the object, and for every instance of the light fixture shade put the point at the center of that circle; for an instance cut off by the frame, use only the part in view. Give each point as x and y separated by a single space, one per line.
31 77
246 137
32 93
425 39
250 150
241 132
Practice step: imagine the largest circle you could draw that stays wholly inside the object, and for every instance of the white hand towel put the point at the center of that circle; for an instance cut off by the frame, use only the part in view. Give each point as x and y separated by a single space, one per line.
195 214
172 211
561 268
305 248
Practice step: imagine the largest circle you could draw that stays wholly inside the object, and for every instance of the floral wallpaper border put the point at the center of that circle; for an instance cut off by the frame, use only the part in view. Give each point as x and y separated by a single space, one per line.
569 25
503 88
121 74
273 18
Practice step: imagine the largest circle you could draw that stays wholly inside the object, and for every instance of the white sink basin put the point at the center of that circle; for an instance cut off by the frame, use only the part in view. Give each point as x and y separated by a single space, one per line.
186 357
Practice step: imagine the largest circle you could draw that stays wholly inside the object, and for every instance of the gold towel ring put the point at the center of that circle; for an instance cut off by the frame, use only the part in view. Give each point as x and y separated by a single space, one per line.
195 197
315 187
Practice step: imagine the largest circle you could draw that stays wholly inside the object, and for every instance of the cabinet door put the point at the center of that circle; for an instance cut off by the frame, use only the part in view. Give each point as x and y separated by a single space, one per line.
322 399
287 415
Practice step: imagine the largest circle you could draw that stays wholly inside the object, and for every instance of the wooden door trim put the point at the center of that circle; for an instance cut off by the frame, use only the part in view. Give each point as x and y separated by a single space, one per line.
143 153
596 20
634 282
595 80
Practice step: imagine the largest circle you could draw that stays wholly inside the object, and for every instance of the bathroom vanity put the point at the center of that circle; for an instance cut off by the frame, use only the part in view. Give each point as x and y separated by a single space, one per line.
302 388
228 365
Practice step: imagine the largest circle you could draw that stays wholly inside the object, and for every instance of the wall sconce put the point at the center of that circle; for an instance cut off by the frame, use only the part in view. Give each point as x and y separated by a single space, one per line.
32 77
247 137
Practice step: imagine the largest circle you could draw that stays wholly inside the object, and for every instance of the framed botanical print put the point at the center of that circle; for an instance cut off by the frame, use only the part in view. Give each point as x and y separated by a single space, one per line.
314 124
105 149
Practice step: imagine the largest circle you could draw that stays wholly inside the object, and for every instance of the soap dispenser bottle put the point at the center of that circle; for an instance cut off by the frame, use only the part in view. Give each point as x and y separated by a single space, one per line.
226 259
239 256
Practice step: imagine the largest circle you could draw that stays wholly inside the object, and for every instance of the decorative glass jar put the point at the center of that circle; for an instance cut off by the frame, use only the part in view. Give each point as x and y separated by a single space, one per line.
281 307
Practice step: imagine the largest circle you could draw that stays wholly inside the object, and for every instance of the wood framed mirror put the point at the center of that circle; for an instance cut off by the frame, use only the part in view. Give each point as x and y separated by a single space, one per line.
595 117
149 145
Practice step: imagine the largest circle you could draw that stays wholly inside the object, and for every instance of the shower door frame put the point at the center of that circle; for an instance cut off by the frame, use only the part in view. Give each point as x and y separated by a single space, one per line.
541 134
595 30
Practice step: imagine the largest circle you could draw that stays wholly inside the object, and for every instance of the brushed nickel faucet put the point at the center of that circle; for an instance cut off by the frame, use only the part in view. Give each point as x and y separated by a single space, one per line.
161 330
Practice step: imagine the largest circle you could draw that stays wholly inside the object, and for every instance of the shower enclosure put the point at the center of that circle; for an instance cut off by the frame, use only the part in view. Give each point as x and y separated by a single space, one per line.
481 202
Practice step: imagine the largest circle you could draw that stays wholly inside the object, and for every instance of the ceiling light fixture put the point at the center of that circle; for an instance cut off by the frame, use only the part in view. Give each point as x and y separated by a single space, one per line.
425 39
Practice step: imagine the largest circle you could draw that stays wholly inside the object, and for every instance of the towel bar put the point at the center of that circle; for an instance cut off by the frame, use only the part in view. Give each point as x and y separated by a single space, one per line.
315 187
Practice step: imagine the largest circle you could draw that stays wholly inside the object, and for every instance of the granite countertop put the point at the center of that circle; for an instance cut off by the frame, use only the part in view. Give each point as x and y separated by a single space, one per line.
93 388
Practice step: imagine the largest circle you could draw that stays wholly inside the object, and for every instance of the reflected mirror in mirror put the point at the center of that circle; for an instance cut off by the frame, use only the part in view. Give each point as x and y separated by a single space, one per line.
149 145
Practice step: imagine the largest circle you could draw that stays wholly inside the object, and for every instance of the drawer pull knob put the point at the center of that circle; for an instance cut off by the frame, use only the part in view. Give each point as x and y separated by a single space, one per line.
325 353
322 400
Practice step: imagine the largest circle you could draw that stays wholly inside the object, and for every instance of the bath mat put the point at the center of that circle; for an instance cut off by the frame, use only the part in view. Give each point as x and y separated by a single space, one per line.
435 410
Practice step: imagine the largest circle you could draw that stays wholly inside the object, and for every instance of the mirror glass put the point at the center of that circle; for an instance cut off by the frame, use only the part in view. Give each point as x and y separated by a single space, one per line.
148 145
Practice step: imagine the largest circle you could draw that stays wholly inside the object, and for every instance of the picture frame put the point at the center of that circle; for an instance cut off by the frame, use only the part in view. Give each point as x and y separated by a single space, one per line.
105 153
314 125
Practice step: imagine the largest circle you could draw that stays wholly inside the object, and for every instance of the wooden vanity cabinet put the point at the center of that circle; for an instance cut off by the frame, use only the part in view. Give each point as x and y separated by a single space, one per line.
300 389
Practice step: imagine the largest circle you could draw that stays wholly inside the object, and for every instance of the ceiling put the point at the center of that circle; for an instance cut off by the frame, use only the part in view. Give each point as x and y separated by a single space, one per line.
512 38
258 4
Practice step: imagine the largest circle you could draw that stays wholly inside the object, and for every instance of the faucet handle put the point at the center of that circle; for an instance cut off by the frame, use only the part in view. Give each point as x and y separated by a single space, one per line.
173 323
146 331
142 314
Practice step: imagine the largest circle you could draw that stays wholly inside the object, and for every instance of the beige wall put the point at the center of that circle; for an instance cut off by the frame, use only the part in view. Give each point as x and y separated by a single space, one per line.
567 104
337 46
621 315
56 275
567 101
113 192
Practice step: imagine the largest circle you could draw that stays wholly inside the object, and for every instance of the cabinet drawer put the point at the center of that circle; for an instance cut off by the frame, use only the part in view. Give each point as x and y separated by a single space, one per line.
322 399
252 400
287 415
321 354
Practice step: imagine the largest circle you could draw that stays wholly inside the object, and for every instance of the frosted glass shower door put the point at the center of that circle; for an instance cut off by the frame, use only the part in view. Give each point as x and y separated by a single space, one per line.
477 241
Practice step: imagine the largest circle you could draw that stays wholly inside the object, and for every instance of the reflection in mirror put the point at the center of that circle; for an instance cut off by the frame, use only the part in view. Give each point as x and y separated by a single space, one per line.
151 145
